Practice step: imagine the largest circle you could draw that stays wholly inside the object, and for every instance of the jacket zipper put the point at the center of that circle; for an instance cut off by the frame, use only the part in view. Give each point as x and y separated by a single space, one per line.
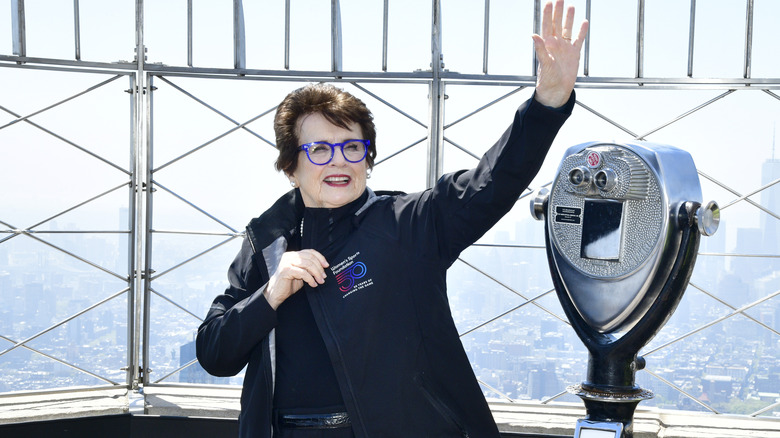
330 333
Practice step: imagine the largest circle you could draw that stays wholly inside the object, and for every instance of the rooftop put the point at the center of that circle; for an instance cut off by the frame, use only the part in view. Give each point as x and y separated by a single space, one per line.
198 404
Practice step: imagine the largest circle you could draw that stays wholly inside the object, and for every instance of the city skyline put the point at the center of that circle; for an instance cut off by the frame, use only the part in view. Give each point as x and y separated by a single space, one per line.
509 355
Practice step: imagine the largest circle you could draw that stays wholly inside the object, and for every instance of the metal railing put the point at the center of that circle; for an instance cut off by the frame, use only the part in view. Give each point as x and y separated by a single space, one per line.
143 186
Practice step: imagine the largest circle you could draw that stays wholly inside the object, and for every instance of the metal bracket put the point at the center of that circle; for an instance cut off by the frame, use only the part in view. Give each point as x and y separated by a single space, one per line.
147 274
140 371
143 90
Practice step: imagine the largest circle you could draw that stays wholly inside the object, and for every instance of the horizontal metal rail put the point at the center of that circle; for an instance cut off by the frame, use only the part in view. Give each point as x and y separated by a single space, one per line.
420 77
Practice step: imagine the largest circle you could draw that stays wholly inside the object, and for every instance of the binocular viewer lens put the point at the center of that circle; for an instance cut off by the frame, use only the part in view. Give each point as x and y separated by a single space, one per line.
580 177
605 179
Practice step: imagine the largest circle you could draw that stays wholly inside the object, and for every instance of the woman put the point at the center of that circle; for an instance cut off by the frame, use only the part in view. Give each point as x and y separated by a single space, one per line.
337 300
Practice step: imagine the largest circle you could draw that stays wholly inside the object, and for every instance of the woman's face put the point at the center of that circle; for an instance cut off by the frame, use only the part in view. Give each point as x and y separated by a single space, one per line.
334 184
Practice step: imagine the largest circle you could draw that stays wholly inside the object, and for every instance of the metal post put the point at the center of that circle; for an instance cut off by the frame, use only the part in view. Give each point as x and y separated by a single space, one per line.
147 266
18 28
239 35
435 101
691 33
133 239
335 36
384 35
77 28
136 290
189 33
586 59
640 39
748 39
537 30
486 38
287 34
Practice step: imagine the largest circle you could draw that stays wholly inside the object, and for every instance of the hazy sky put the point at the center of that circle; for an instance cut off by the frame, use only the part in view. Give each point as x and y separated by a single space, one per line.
725 143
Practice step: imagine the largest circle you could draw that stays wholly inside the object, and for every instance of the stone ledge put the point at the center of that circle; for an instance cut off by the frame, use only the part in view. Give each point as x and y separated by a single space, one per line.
74 403
223 402
220 402
560 419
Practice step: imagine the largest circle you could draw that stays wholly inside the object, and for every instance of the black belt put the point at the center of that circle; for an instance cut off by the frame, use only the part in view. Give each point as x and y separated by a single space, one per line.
314 421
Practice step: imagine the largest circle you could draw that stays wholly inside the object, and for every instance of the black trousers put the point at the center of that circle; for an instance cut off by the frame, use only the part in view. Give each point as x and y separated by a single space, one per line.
341 432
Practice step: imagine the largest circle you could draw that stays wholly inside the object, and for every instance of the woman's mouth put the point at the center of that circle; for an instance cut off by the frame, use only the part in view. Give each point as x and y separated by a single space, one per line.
337 180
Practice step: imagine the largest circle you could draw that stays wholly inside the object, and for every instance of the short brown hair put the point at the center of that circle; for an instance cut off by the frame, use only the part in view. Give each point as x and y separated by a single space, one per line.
336 105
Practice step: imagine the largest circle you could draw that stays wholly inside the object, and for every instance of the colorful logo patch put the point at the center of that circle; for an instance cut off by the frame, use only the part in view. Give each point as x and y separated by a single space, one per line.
346 278
350 275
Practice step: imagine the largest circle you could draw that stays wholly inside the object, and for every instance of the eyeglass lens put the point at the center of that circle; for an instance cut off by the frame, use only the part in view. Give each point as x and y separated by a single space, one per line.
321 153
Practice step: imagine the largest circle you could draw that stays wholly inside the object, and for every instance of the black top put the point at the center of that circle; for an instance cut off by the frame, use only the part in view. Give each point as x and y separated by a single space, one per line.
305 380
304 374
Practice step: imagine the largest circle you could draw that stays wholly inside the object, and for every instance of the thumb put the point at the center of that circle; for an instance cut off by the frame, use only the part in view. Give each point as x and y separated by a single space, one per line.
539 47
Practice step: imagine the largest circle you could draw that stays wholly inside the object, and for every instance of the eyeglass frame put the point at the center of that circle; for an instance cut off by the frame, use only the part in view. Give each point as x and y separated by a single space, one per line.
333 146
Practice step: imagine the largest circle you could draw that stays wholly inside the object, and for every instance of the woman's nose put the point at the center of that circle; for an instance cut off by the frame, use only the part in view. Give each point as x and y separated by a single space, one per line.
338 157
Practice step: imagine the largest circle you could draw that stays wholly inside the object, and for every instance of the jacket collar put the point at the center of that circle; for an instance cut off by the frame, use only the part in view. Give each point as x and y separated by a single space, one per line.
284 217
279 220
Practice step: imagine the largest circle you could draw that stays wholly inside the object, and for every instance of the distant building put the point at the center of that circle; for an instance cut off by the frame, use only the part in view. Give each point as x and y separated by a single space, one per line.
717 388
770 199
542 384
769 383
195 373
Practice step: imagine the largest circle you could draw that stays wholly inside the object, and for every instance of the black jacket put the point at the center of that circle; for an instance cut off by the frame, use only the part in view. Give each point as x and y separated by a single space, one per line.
383 310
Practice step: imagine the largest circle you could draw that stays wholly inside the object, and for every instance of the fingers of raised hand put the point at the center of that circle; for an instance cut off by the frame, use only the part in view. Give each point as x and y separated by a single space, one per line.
582 35
306 265
568 27
557 19
547 26
553 25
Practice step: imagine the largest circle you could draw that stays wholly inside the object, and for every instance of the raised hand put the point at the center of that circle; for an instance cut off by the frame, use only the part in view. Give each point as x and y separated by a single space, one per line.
558 55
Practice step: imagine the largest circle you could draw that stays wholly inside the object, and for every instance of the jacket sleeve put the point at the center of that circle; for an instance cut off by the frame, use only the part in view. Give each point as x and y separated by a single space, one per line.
237 321
464 205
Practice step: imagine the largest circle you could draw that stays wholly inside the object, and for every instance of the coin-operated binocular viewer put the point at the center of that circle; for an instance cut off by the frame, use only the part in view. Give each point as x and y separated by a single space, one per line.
622 230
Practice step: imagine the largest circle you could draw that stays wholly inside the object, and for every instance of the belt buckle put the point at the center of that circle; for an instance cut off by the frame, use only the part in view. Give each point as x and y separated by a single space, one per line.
314 421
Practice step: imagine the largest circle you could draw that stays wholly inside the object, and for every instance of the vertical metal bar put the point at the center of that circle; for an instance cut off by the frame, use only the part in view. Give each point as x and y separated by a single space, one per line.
335 36
384 35
147 266
77 29
287 34
586 59
748 39
139 193
485 38
18 27
537 30
189 33
691 34
132 239
436 101
239 35
640 39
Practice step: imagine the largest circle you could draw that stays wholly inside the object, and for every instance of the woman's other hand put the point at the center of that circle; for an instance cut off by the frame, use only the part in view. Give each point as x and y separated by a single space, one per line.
558 55
295 268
